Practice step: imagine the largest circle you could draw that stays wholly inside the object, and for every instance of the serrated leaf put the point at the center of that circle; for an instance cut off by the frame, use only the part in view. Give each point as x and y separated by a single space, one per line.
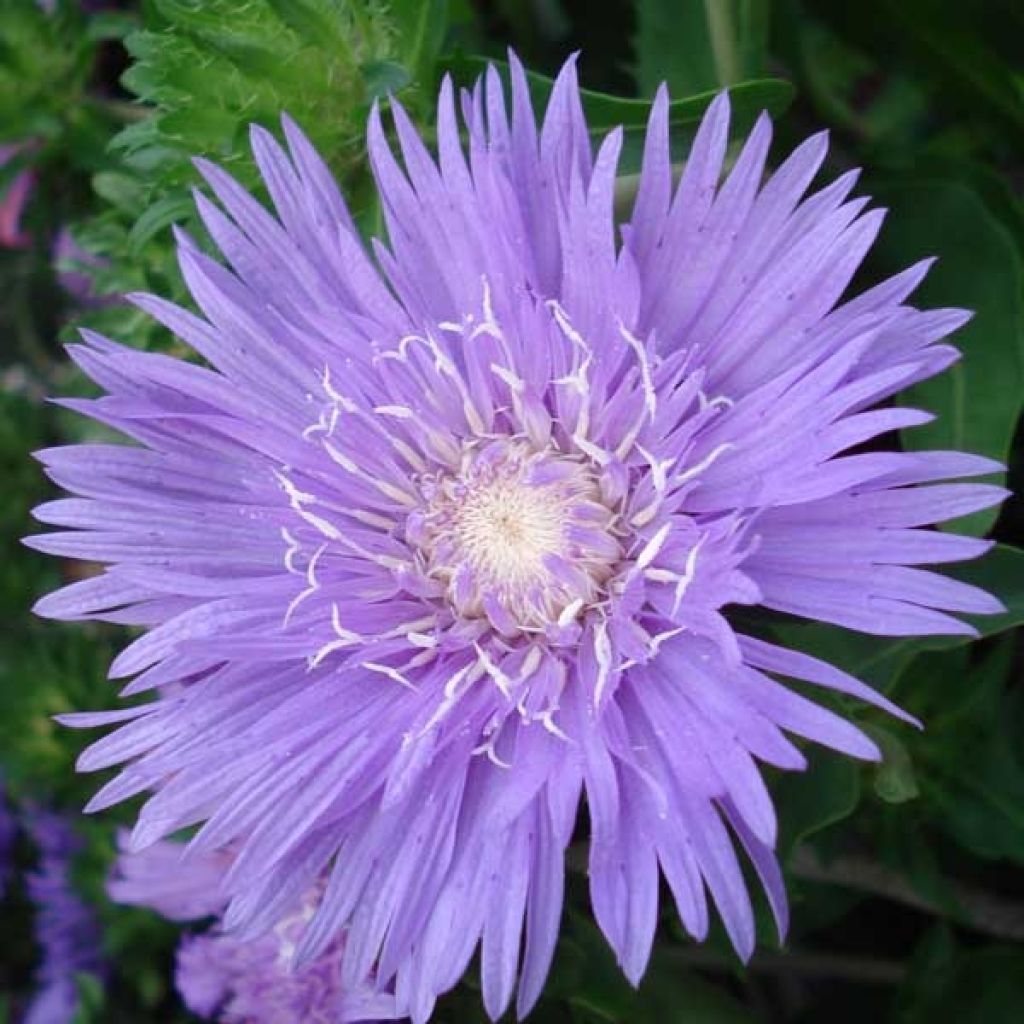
383 78
314 21
979 399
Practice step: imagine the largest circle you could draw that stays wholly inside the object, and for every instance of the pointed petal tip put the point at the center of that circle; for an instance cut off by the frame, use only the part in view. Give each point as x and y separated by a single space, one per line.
44 606
866 750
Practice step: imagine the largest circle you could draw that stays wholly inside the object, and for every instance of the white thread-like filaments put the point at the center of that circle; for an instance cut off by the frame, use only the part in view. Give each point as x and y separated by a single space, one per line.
517 536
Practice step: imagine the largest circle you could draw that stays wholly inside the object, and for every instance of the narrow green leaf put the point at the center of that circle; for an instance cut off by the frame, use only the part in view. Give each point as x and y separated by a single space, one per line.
605 111
158 216
120 190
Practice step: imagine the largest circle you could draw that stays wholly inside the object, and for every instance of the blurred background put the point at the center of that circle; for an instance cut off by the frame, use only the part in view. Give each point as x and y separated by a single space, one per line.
906 878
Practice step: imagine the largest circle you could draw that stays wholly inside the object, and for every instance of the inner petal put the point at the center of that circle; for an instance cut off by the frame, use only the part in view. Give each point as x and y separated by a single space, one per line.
517 535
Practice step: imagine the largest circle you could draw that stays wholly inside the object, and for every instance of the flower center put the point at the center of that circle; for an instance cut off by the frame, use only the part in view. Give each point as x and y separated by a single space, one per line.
518 536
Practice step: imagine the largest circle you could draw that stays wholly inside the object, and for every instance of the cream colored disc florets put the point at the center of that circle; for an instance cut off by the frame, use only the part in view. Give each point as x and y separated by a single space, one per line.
518 536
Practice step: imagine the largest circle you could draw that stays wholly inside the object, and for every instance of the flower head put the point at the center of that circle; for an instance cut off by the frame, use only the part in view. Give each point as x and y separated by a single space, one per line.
446 535
231 979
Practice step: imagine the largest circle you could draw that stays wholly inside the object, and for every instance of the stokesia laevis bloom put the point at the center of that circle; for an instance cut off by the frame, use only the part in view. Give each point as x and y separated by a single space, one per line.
445 536
246 981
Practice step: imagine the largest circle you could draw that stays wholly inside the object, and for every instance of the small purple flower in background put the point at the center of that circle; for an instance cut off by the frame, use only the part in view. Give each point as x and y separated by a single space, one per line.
445 538
66 931
14 199
243 980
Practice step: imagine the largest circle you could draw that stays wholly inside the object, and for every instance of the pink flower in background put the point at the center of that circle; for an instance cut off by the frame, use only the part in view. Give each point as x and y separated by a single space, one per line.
14 199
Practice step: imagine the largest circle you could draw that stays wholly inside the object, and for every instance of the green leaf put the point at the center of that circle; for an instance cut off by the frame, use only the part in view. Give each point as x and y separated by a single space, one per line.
950 39
807 802
979 399
696 45
604 111
383 77
973 771
315 22
121 190
421 25
159 216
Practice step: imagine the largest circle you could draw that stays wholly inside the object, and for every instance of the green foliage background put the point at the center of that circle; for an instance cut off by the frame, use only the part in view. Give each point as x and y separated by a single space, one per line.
906 878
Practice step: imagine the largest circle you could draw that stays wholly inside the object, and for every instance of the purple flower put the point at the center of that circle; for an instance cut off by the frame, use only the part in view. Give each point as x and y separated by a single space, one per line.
249 981
66 930
446 536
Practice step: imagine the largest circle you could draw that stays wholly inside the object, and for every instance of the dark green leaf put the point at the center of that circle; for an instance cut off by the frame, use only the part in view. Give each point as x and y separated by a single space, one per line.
971 772
810 801
605 112
695 46
421 26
